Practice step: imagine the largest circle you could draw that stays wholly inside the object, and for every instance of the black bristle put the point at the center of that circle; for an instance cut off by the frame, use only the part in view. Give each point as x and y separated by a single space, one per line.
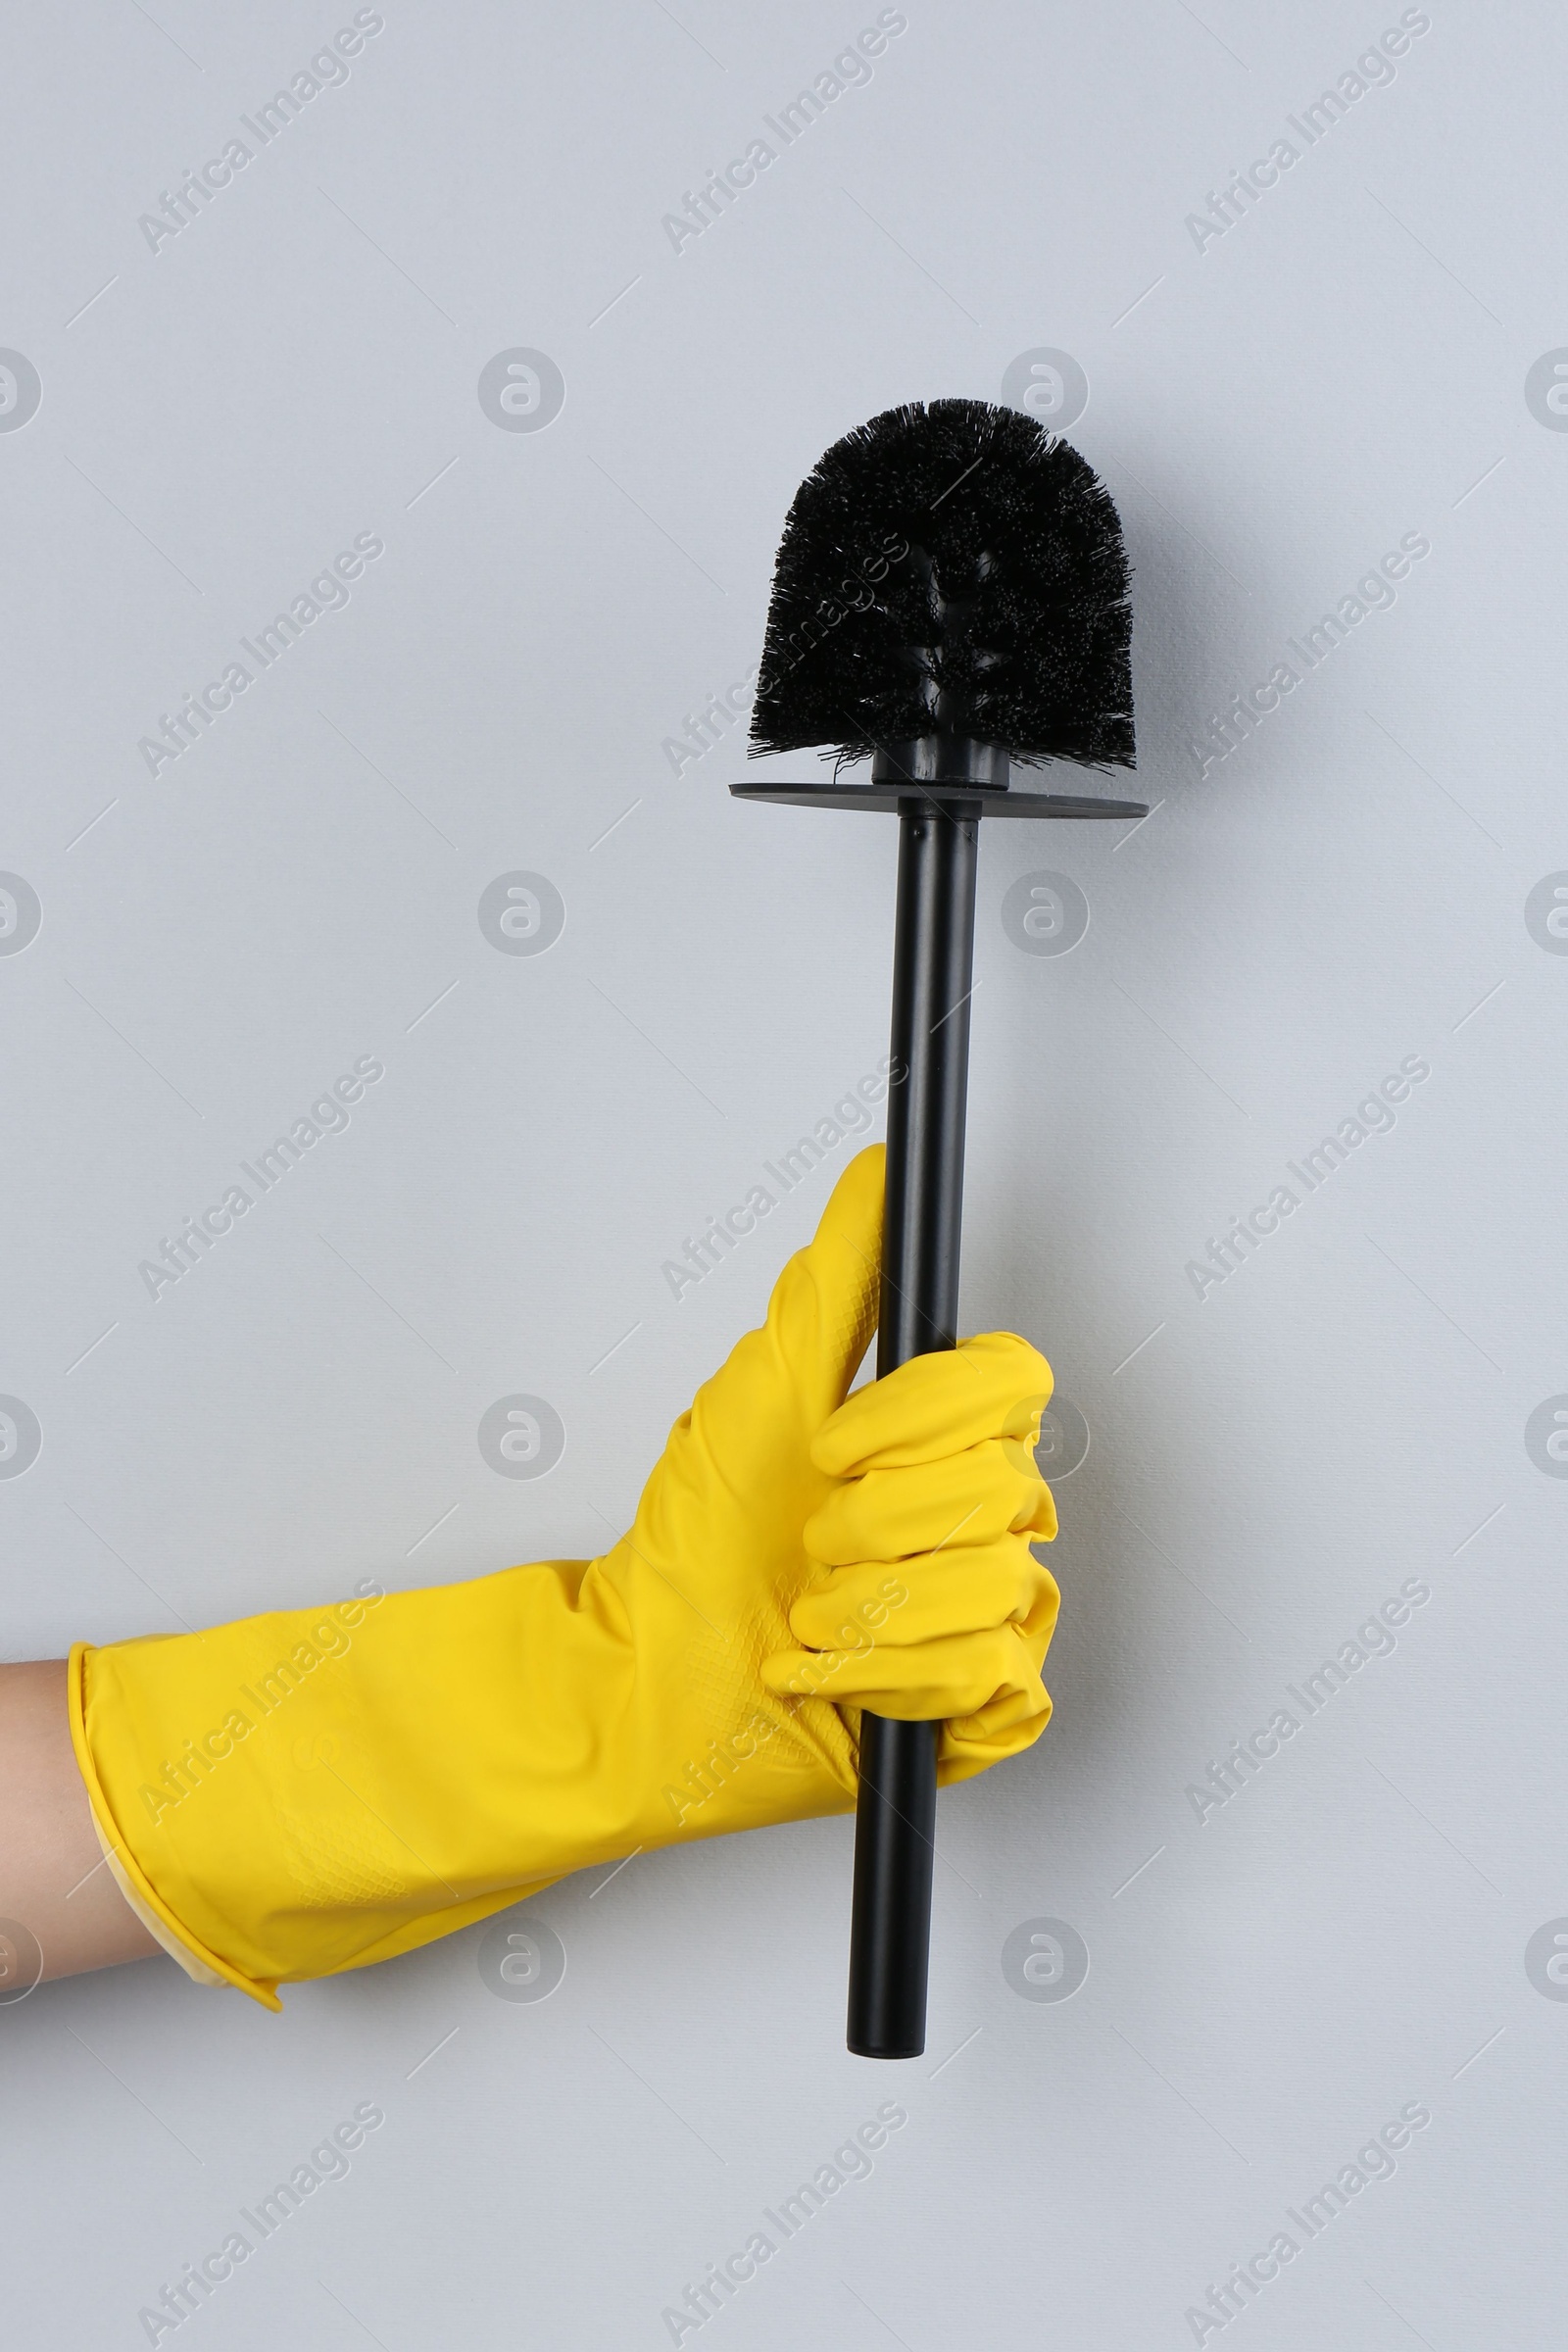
1005 618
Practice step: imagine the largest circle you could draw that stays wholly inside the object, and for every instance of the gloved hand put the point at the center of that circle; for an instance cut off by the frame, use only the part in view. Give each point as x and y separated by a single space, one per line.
304 1792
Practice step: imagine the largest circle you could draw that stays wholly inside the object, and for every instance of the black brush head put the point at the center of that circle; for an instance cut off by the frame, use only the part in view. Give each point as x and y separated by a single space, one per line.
950 569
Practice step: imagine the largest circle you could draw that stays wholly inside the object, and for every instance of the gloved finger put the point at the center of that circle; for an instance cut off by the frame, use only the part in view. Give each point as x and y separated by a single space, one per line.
954 1677
996 1386
952 1593
1003 1727
781 1382
991 1490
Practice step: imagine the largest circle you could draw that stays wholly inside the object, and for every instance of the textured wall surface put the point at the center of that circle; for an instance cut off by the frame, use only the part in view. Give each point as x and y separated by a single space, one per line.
452 304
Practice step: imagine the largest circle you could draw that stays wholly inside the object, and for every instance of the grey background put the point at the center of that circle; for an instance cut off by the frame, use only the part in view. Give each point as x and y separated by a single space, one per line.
300 365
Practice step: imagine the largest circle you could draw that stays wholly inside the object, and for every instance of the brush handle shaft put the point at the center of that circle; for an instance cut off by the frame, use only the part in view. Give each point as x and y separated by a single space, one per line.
933 961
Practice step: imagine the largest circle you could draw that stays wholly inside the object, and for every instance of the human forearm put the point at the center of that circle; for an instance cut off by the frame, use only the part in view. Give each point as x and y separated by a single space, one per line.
54 1883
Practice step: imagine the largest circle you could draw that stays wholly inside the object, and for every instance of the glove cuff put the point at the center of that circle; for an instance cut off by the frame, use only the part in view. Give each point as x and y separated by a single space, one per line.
202 1966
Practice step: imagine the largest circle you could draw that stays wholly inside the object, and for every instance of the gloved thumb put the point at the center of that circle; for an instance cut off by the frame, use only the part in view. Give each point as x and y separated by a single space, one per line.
824 1304
782 1381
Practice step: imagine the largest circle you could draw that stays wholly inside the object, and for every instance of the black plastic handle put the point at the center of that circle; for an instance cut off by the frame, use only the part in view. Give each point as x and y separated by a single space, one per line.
933 962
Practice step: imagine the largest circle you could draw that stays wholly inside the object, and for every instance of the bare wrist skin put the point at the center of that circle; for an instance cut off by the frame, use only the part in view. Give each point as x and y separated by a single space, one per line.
54 1881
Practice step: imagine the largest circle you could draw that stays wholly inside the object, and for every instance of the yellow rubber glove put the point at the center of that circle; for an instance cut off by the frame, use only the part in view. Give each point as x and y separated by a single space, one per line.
304 1792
